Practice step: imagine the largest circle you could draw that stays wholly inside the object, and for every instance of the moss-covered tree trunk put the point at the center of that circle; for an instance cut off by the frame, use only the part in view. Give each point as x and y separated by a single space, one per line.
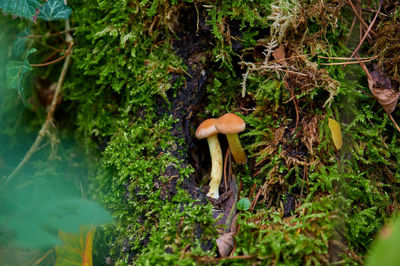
145 74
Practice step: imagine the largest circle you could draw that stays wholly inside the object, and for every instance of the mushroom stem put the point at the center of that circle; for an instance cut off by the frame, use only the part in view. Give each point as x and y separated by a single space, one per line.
236 148
216 166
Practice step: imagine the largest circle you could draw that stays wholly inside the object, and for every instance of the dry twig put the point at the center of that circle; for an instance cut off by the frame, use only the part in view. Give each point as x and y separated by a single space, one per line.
366 33
56 60
46 125
359 16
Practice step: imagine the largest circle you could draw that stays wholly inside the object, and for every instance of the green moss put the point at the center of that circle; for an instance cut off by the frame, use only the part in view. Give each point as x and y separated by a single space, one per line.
135 163
119 90
289 241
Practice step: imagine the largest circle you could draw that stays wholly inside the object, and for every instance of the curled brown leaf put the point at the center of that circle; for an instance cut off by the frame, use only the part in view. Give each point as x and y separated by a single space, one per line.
225 244
381 87
386 97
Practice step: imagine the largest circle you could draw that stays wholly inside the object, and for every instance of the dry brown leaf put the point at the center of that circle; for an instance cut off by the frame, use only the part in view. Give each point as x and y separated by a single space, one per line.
381 87
279 53
386 97
225 244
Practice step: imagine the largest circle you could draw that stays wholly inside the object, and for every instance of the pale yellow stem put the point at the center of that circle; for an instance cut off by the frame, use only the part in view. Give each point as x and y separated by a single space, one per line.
236 149
216 166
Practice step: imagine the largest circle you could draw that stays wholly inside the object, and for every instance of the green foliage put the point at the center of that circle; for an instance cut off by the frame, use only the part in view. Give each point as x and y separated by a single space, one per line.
248 16
31 9
45 197
21 8
385 250
243 204
16 69
15 74
221 93
358 179
301 239
18 47
134 156
120 84
124 73
54 10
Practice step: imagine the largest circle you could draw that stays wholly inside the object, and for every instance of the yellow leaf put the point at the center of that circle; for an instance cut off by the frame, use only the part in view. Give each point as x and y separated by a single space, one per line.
87 259
76 248
336 133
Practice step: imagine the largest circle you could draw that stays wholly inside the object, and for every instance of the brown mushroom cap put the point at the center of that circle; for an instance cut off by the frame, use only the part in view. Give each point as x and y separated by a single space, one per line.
206 129
230 124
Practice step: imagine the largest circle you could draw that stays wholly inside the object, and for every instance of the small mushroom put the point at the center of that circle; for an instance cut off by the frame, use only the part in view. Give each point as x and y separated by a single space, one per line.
231 124
207 130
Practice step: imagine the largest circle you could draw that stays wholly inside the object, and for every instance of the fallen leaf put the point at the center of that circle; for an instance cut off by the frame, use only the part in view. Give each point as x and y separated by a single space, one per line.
386 97
336 133
380 86
76 248
380 78
225 244
87 259
279 53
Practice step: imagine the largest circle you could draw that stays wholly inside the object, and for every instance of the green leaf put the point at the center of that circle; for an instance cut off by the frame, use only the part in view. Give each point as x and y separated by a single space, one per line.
21 8
46 219
54 10
15 74
385 251
243 204
18 46
32 213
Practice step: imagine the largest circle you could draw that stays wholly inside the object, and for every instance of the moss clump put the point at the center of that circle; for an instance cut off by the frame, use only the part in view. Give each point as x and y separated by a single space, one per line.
153 217
135 76
296 240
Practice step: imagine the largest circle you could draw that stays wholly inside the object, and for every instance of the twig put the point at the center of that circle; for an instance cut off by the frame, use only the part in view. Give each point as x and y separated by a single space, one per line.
394 121
245 76
52 47
305 174
296 107
43 257
55 60
50 114
373 11
359 17
226 160
48 35
289 58
347 63
365 70
348 58
254 203
198 18
350 31
366 33
252 190
243 257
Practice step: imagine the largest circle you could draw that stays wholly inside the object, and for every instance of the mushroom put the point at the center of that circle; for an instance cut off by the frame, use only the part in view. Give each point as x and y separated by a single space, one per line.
231 124
207 130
